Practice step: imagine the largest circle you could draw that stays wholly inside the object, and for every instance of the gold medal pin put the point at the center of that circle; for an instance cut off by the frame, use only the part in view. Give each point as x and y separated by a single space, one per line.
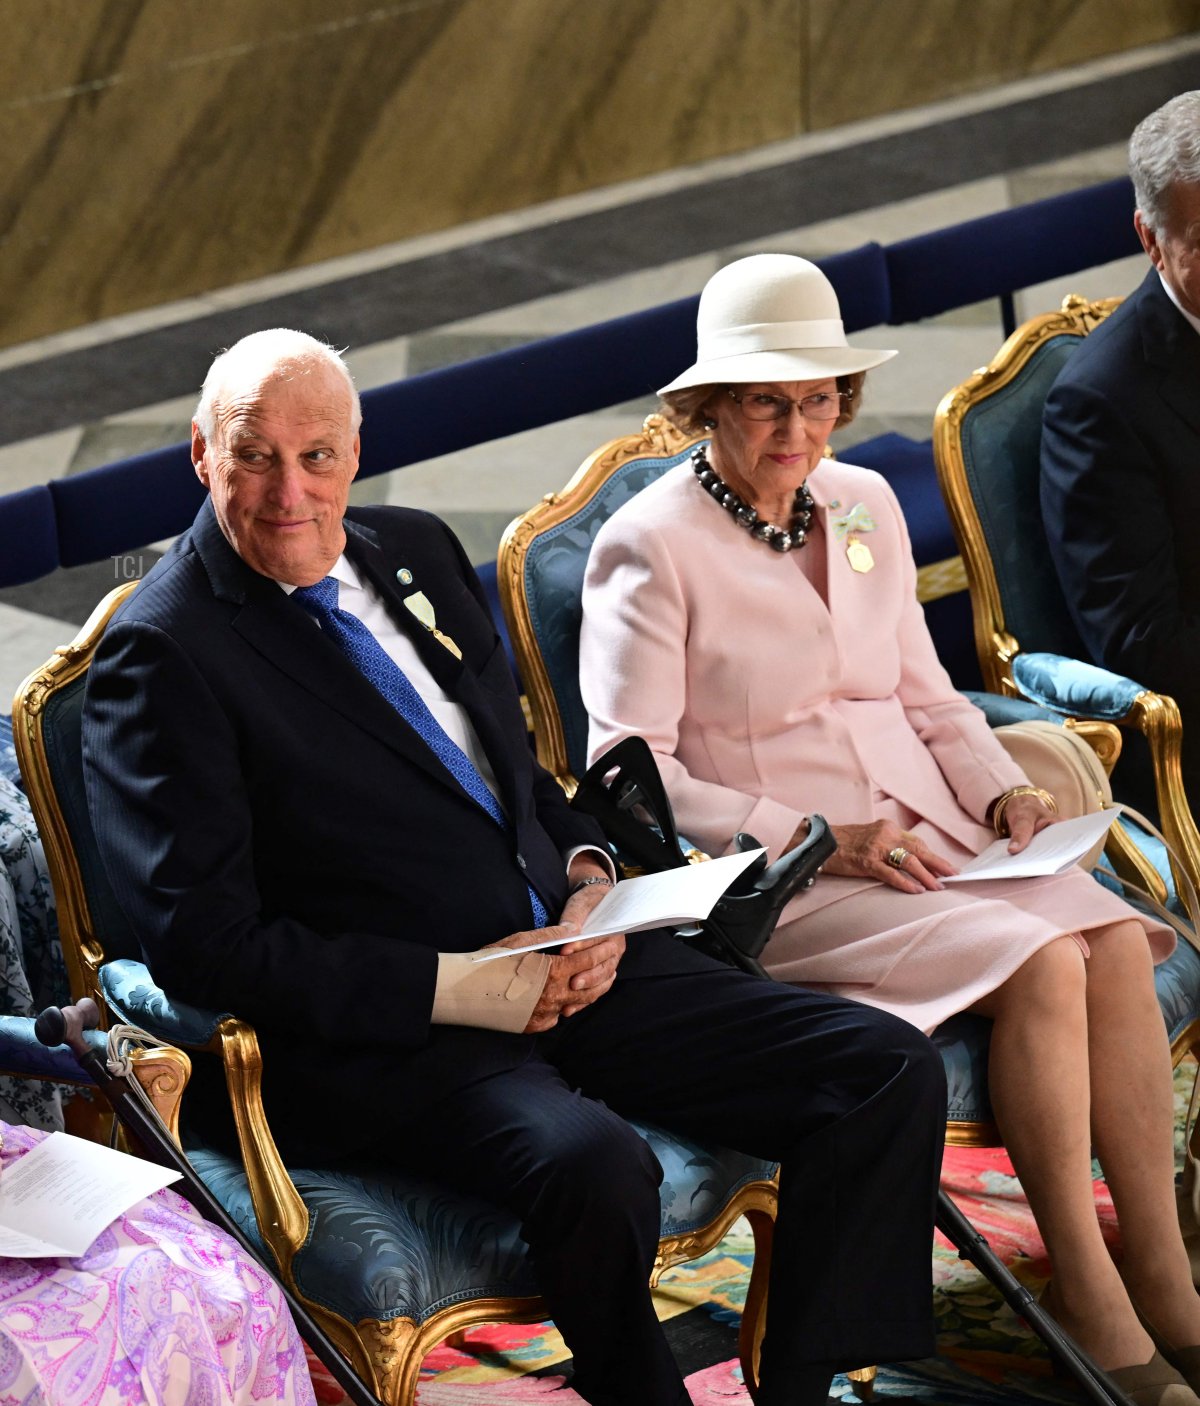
858 554
419 605
849 526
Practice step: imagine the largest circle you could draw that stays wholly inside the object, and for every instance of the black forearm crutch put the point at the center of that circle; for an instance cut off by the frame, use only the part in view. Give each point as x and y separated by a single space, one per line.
57 1026
624 792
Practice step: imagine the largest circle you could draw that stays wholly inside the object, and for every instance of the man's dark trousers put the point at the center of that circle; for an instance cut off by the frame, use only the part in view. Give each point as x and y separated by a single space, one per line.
850 1100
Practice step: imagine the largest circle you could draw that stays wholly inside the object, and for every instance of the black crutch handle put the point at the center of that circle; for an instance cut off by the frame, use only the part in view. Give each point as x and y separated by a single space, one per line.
64 1025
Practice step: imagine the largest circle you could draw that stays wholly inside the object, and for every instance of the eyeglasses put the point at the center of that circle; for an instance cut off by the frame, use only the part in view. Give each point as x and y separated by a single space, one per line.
759 405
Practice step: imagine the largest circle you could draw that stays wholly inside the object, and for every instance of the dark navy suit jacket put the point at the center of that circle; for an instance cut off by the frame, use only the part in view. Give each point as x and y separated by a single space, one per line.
284 845
1120 496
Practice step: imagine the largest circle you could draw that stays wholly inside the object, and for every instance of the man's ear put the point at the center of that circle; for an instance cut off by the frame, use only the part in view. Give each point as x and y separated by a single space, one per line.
354 449
199 449
1149 239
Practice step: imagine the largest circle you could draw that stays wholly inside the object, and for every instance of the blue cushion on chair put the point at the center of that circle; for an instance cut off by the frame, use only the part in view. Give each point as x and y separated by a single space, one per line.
23 1054
1177 981
384 1245
1071 686
963 1042
134 994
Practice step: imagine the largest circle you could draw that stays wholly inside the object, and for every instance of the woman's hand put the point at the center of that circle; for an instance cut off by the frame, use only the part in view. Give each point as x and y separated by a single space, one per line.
1025 816
862 852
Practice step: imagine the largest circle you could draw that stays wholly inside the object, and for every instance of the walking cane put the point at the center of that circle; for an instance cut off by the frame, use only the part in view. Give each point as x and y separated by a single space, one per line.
624 792
57 1026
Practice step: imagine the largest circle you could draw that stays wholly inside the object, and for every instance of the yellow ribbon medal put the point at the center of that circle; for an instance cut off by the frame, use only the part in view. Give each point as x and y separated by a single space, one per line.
418 603
857 520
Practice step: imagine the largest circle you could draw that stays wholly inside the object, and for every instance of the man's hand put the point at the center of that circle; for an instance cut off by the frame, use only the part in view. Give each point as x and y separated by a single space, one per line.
579 974
863 850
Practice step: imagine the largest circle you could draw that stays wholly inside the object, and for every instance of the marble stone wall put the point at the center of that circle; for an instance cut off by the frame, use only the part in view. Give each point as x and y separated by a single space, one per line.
155 149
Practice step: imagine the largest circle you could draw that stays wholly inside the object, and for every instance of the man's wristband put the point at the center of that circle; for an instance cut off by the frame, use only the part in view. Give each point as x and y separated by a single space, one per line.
586 883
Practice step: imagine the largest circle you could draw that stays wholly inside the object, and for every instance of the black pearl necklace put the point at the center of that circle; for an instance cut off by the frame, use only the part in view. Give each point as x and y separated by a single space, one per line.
781 539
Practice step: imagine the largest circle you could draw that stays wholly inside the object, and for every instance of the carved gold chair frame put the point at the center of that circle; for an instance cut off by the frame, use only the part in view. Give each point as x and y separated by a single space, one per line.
386 1353
163 1072
1153 714
658 438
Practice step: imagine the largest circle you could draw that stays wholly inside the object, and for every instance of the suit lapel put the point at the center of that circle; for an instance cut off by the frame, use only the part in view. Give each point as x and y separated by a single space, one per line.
287 638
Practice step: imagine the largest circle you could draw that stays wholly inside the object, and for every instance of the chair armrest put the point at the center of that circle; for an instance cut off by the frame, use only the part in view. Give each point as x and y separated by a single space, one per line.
1000 709
1087 691
1071 686
134 995
23 1054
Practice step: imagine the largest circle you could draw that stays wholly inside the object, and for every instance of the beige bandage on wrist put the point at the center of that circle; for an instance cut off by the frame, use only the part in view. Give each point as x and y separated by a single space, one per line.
496 995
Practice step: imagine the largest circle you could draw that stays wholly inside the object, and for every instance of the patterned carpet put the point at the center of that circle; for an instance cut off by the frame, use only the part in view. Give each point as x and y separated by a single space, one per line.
985 1353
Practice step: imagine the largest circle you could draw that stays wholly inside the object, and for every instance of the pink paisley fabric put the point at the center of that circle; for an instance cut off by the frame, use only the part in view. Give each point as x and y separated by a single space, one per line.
163 1309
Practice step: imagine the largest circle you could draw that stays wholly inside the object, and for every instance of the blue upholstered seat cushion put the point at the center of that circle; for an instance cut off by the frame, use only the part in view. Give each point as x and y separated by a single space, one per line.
962 1041
384 1245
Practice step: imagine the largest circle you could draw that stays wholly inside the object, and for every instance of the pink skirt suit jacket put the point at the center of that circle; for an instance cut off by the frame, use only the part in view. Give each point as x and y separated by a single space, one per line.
773 685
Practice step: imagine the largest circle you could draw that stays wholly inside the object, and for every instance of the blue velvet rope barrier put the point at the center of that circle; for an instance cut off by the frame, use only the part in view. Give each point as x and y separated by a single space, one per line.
102 512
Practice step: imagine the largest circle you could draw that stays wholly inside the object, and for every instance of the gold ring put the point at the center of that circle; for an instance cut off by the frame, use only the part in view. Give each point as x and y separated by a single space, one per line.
897 856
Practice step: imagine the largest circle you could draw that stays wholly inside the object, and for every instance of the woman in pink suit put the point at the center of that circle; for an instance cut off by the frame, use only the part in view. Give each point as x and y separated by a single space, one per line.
753 615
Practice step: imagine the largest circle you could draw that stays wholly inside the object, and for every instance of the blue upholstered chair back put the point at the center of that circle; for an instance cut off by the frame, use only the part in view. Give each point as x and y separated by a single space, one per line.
62 736
48 720
543 558
1001 447
987 448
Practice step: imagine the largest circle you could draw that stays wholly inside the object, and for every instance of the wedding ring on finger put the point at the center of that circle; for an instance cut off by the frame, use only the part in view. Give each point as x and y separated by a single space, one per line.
897 856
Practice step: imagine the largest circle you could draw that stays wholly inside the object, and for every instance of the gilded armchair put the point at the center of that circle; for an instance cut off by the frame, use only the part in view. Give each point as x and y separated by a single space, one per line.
424 1263
987 436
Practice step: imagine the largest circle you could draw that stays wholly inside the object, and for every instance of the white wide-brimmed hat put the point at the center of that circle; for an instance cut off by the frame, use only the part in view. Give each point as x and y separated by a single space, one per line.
771 317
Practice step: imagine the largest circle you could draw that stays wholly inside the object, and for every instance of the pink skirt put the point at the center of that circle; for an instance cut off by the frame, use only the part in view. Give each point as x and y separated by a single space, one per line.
927 956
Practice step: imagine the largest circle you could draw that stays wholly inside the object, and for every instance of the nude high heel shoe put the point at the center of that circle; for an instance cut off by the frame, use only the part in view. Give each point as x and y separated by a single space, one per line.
1159 1382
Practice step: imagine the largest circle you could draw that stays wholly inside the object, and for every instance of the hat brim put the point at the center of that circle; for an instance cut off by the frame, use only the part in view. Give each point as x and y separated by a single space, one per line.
804 364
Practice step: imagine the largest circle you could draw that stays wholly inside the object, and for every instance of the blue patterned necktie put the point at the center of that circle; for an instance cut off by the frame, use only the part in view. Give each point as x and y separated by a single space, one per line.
377 666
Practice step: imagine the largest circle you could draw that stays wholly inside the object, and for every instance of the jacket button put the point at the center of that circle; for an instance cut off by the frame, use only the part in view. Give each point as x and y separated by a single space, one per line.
521 862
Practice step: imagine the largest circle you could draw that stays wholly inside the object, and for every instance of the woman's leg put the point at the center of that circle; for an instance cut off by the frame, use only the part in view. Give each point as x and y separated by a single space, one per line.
1038 1077
1132 1128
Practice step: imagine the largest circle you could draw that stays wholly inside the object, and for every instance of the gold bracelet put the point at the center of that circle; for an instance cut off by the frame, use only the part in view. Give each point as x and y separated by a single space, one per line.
1002 805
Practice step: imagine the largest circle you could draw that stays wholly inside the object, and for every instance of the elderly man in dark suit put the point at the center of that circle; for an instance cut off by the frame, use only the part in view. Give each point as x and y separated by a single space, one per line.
1121 443
309 773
